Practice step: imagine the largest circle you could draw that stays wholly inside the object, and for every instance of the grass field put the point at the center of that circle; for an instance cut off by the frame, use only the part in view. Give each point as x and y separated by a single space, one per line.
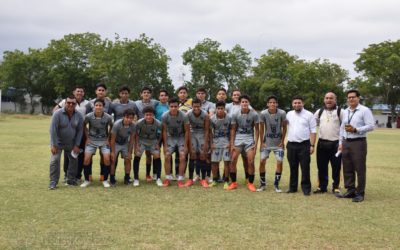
149 217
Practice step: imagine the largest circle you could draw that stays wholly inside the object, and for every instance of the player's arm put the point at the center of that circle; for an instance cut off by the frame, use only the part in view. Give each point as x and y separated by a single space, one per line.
112 146
164 135
257 135
206 133
53 134
313 133
109 128
86 131
284 131
187 135
132 140
233 134
262 130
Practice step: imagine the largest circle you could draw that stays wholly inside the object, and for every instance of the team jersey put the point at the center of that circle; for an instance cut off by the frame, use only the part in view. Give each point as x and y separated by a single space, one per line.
185 106
118 108
175 124
245 123
122 132
107 106
140 106
208 106
98 126
196 122
273 127
221 130
147 131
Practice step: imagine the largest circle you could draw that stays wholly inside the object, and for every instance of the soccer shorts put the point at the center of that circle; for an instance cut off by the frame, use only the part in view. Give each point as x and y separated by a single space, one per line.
197 141
175 144
103 147
244 144
219 154
150 146
123 149
278 152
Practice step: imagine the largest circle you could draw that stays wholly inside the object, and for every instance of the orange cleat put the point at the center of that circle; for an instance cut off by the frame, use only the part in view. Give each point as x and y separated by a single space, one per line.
166 183
232 186
149 178
181 184
204 183
251 187
189 183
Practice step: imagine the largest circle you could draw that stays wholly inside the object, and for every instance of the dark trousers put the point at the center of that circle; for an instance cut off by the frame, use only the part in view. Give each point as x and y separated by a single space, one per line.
299 153
354 156
326 151
80 160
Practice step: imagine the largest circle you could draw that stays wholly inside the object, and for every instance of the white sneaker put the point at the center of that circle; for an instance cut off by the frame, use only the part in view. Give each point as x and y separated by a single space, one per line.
159 182
136 183
277 189
85 184
106 184
197 178
210 180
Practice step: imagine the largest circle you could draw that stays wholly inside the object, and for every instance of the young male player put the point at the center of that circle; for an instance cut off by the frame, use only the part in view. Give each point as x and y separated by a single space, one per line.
123 103
147 140
122 139
220 145
243 138
176 136
273 126
97 136
199 134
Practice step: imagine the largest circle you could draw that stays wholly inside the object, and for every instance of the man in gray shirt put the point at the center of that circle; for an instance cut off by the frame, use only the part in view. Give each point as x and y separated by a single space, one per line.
273 126
66 130
123 103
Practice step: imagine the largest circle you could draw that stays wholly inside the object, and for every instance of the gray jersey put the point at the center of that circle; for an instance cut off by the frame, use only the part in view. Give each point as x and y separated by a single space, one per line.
208 106
175 124
273 124
245 123
107 106
221 130
118 108
140 106
122 132
147 131
232 108
196 122
98 127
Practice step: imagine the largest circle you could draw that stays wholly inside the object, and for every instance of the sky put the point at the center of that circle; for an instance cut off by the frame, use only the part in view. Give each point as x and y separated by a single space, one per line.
336 30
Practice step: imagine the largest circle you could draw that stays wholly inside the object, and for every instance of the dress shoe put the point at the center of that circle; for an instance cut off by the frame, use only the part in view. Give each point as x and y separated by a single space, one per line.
348 194
358 198
319 191
307 193
291 191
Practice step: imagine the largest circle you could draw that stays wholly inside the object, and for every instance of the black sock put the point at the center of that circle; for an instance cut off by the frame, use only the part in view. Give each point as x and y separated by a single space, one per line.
136 162
226 178
218 175
262 179
157 167
112 178
86 172
251 178
246 174
106 172
191 169
215 178
203 168
127 177
197 168
233 176
148 168
102 169
208 169
277 178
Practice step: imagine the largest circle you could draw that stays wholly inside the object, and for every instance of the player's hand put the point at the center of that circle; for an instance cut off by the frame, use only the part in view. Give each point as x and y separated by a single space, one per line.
76 150
54 150
282 145
129 156
311 150
87 141
340 147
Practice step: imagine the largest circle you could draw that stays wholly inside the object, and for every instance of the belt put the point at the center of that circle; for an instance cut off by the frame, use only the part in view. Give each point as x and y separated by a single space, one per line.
302 142
328 140
356 139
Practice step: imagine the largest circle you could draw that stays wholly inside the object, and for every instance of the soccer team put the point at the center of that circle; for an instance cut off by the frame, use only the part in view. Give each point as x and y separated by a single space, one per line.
201 134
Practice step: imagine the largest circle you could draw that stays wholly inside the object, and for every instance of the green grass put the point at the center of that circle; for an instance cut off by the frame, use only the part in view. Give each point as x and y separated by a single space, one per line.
164 218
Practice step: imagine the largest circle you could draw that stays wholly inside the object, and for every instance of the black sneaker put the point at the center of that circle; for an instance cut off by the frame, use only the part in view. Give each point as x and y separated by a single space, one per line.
261 188
71 183
127 181
52 185
319 191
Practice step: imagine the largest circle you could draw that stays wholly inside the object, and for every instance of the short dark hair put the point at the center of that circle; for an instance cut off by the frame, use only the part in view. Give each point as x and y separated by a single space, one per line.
244 96
222 89
236 90
99 100
353 91
195 100
71 97
220 104
272 97
165 91
182 88
173 100
201 89
148 109
78 87
129 112
124 88
101 85
146 88
297 97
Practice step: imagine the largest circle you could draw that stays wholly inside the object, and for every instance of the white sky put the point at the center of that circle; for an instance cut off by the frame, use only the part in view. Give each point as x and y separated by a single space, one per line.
330 29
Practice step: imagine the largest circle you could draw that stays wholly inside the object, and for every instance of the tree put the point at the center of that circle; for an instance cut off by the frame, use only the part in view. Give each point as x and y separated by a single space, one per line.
379 65
285 76
135 63
213 68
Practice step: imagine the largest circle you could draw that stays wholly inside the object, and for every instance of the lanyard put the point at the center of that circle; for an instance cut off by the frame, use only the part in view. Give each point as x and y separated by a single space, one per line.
350 117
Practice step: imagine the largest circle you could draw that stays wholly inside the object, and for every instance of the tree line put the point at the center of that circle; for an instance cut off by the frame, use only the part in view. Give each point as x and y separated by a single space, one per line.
86 59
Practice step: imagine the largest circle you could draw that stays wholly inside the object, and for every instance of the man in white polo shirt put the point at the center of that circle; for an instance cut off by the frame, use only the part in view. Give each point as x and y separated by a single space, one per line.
301 140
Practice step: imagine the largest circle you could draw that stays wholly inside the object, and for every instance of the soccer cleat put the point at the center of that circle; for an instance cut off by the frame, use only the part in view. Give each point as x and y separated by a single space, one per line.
136 183
127 181
85 184
166 183
52 185
189 183
251 187
149 178
261 188
277 189
181 184
159 182
204 183
213 184
209 180
232 186
226 185
106 184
